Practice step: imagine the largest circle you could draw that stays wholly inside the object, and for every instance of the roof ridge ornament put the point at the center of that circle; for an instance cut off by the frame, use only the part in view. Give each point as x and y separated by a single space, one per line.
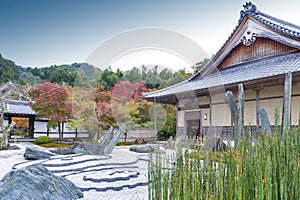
249 38
249 9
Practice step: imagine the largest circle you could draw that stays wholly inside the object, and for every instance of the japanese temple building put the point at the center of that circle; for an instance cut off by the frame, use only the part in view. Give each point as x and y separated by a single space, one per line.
259 53
29 124
21 113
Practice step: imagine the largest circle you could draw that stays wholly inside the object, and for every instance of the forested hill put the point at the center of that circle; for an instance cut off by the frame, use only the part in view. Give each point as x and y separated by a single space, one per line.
62 74
83 74
8 70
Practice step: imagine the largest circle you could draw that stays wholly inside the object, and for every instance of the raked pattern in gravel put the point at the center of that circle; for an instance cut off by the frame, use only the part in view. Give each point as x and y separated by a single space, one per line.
121 175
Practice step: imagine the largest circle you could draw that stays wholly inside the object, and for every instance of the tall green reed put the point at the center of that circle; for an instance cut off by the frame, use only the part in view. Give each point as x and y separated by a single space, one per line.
260 168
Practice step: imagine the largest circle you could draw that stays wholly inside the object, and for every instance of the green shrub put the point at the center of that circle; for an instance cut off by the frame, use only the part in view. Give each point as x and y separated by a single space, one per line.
43 140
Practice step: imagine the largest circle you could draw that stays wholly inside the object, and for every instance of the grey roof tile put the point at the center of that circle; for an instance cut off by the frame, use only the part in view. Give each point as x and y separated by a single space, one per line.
19 107
253 70
279 26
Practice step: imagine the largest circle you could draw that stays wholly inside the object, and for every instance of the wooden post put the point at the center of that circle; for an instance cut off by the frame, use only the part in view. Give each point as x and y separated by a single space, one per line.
286 109
177 120
210 116
257 112
155 128
241 103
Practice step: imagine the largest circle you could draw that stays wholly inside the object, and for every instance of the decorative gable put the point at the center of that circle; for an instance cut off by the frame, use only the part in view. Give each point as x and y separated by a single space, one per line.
260 48
257 35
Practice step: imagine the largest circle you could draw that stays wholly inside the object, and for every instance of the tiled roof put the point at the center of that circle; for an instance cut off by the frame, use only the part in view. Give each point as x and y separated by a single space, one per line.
277 25
264 68
19 107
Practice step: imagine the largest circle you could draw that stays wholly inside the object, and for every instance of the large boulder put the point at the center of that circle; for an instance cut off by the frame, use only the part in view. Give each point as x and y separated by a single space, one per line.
79 148
62 151
35 154
36 182
140 149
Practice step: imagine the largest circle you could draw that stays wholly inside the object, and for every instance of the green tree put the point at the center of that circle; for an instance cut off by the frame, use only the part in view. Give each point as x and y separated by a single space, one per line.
134 75
153 80
200 64
177 77
83 110
169 128
165 75
109 79
8 71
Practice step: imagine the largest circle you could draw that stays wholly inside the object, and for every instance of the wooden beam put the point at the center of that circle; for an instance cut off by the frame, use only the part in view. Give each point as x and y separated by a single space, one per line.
210 114
241 106
177 110
257 112
286 109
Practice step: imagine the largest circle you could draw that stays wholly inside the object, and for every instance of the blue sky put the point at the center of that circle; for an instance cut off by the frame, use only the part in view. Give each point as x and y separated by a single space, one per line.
39 33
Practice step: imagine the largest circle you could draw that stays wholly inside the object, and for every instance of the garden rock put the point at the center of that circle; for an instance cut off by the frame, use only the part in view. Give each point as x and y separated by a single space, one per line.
140 149
265 123
35 154
80 148
36 182
62 151
146 149
214 144
140 141
66 141
77 147
14 147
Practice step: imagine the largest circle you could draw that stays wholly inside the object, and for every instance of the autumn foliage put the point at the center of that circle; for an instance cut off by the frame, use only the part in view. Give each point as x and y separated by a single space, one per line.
51 101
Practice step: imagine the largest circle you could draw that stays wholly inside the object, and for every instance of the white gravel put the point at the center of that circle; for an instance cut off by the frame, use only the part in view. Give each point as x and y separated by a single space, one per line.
129 168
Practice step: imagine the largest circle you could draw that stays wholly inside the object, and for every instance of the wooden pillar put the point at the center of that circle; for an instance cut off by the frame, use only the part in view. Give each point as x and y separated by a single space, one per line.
232 128
241 106
155 128
257 112
210 116
177 120
31 127
200 122
286 109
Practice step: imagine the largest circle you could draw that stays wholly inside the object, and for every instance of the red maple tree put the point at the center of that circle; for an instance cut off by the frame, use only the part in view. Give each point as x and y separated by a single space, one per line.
125 91
51 101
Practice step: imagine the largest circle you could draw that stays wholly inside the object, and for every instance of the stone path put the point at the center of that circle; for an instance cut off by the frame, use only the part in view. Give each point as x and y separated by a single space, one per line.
120 175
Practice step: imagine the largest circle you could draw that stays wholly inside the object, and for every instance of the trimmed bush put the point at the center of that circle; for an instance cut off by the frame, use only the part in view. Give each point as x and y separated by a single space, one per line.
43 140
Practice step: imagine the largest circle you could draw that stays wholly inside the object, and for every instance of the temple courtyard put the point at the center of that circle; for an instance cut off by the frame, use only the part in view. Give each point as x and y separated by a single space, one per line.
119 175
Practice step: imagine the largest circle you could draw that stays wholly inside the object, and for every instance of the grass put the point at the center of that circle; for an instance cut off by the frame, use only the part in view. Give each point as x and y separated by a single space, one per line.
54 145
269 169
127 143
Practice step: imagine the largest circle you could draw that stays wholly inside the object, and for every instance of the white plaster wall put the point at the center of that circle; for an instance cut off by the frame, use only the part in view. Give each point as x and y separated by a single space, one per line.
40 126
295 107
221 115
270 106
180 118
250 113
